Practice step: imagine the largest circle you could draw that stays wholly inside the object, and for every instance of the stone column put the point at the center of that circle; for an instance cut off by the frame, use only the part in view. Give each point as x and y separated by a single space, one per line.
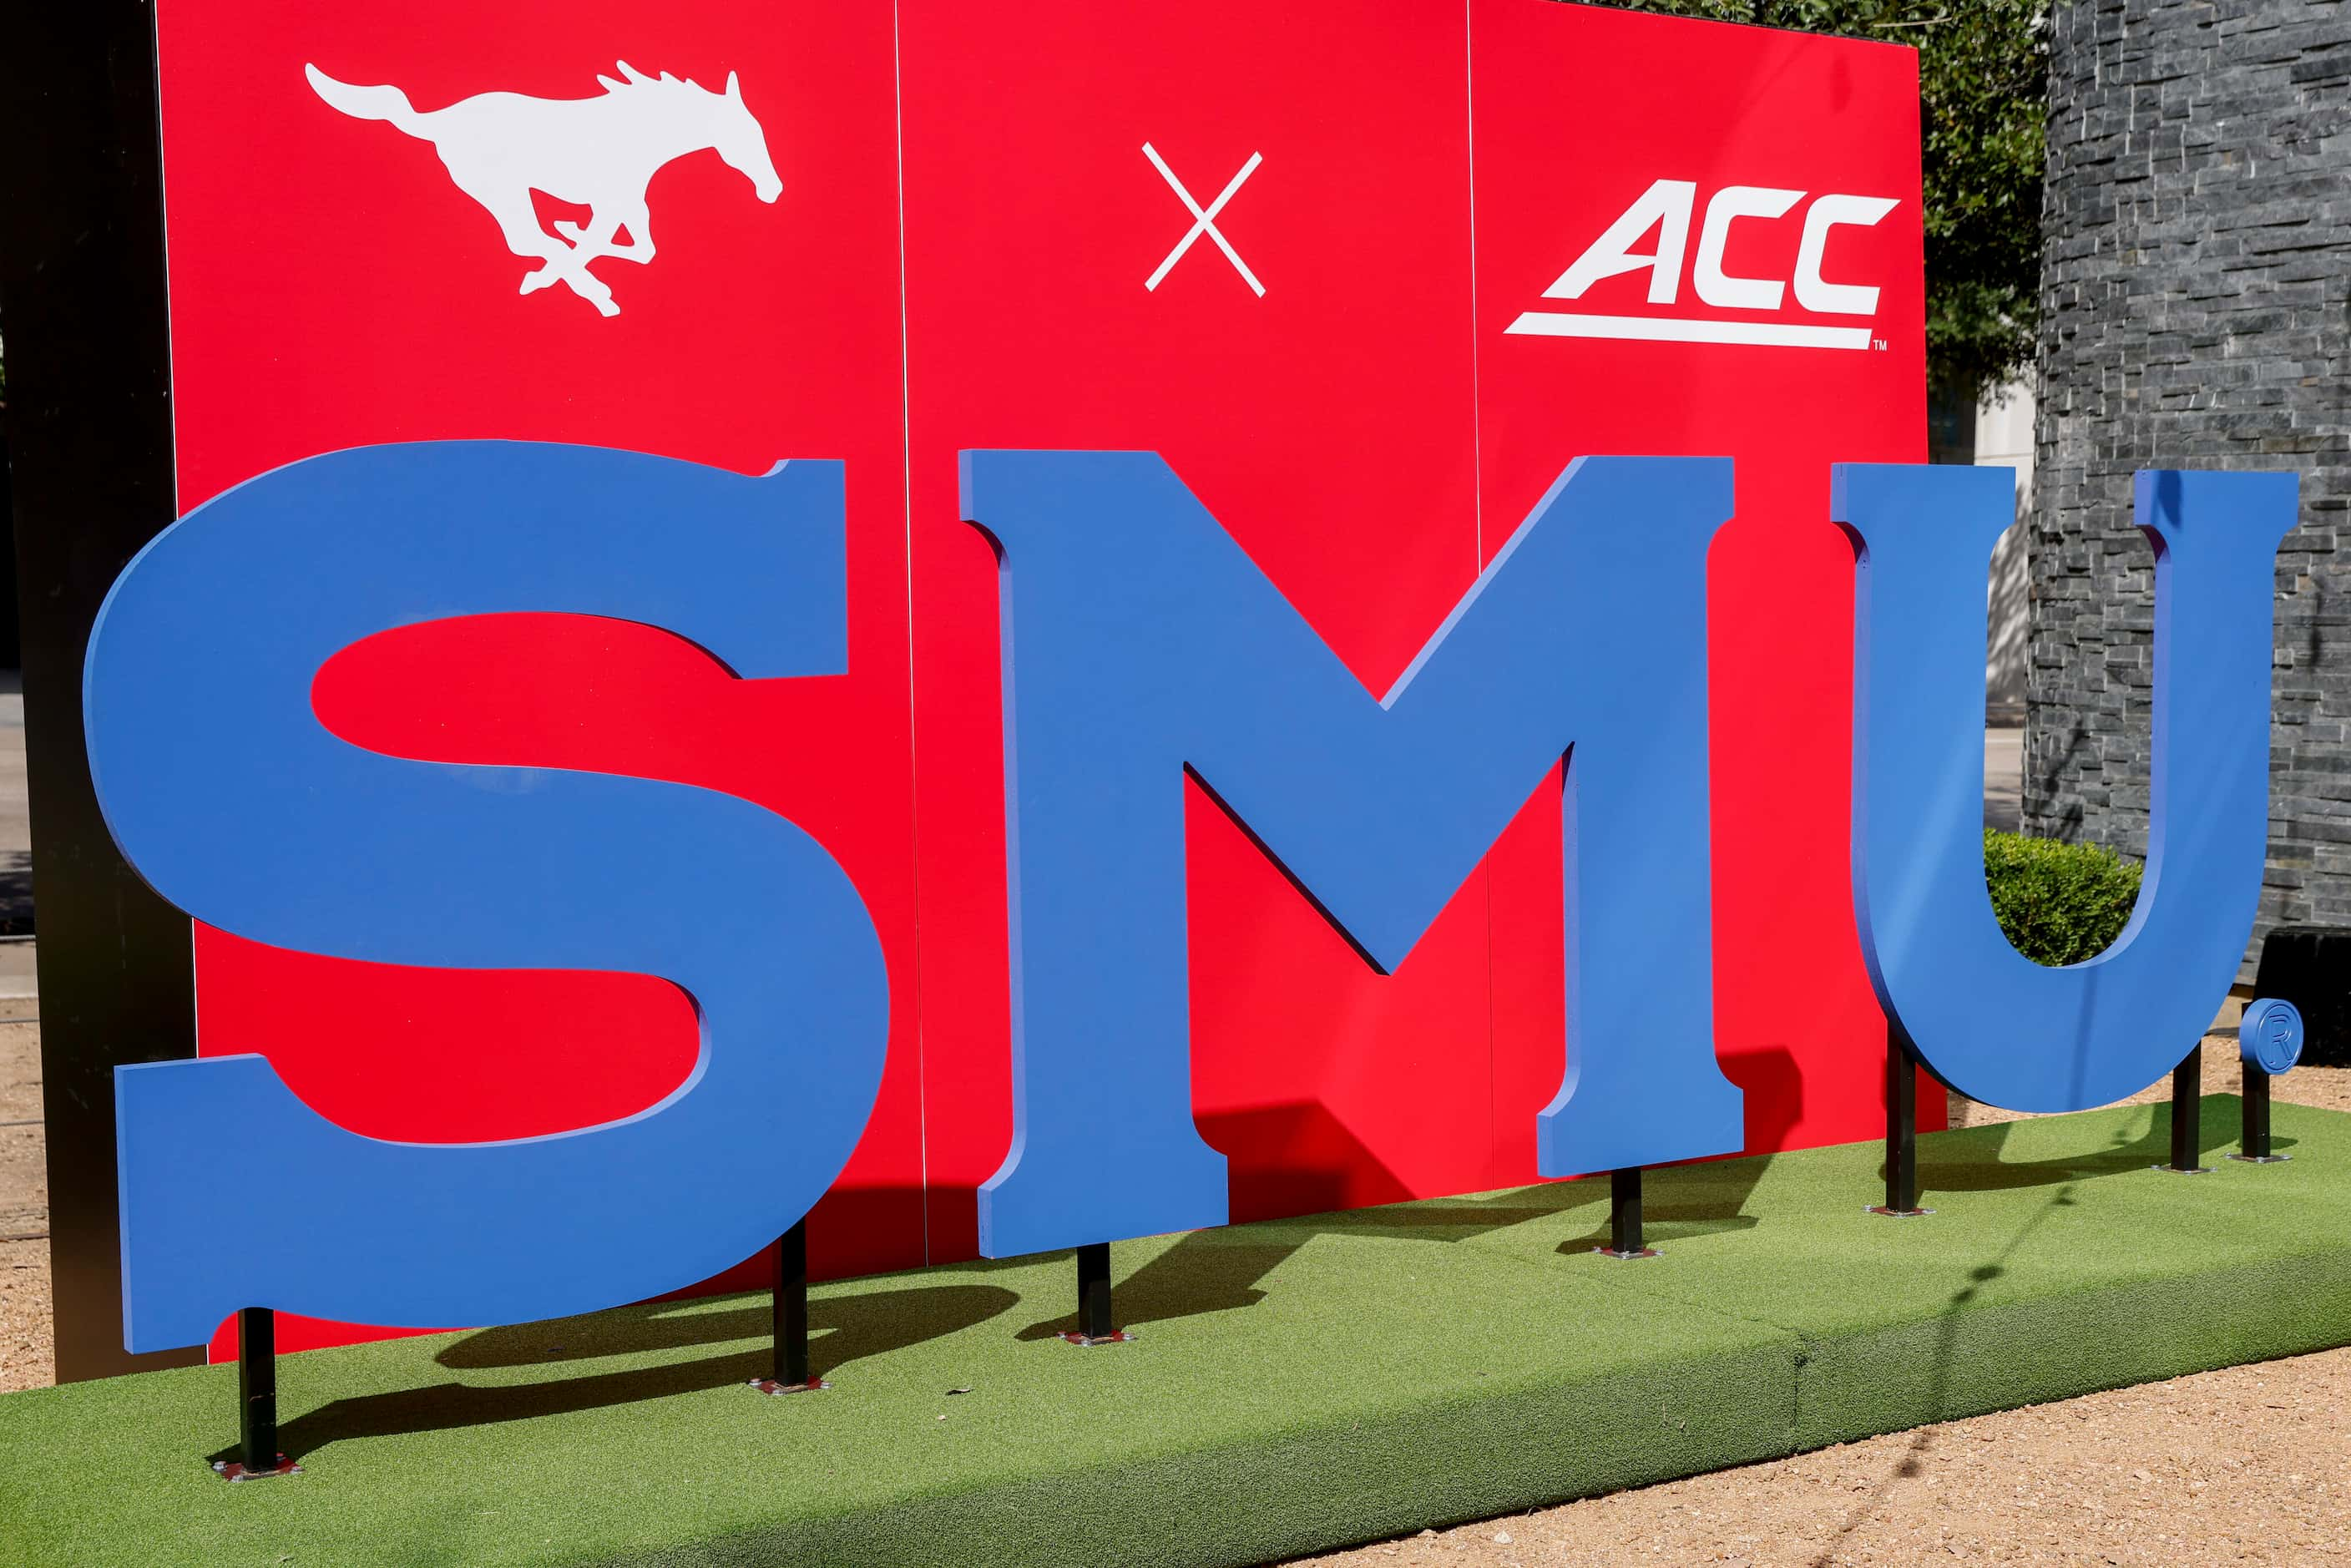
2196 299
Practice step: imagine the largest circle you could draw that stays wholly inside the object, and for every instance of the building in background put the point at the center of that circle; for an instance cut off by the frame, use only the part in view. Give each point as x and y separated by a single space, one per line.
1994 430
2004 437
2195 312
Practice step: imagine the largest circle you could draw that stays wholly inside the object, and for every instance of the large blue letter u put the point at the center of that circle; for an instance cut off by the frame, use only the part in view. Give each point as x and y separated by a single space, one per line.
1139 641
231 799
1988 1021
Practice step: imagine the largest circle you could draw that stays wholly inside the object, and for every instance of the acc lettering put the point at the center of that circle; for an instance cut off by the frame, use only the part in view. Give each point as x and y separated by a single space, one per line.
1666 209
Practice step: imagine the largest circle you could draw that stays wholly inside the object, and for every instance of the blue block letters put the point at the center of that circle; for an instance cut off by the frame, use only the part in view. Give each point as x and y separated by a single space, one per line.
1988 1021
231 799
1141 647
1140 642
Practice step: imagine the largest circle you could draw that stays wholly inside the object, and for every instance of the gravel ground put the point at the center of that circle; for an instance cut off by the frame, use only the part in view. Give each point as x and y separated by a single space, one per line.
24 1213
2327 1087
2246 1465
2251 1464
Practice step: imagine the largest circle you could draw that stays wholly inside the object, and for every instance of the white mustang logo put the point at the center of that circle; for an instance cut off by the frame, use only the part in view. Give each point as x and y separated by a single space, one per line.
596 152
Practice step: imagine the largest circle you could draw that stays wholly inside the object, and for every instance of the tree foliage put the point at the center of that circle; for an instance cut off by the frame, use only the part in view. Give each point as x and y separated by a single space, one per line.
1982 74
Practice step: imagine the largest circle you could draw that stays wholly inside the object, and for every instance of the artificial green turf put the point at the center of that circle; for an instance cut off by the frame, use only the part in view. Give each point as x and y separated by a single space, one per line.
1297 1385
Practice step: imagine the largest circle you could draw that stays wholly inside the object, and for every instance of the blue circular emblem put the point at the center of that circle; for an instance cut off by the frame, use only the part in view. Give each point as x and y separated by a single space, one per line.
2269 1035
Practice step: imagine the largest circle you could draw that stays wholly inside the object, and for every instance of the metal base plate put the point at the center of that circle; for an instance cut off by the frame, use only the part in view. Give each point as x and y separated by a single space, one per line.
1626 1257
1897 1213
2183 1170
769 1385
2261 1159
234 1470
1116 1336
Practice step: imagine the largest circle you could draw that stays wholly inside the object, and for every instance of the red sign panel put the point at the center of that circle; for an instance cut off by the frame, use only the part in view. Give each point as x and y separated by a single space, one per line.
1348 267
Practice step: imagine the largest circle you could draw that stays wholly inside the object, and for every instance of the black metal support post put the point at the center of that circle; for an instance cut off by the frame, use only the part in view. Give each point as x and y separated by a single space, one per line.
1093 1291
791 1372
257 1388
1901 1130
256 1401
2254 1140
1094 1324
792 1305
1624 1217
2188 1115
1625 1211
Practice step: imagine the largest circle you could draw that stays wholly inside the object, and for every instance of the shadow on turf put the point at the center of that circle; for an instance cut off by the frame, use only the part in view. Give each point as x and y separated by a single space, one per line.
841 1328
1206 1271
843 1331
2219 1125
1220 1270
2218 1128
1910 1465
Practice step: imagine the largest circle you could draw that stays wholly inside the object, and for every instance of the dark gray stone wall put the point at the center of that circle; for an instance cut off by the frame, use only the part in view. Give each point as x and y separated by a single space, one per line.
2194 315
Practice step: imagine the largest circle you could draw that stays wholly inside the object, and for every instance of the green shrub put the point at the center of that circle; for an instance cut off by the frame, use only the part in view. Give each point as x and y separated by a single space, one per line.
2058 903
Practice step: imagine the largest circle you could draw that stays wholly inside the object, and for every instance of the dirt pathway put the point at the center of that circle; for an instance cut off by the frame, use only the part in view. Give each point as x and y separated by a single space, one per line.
24 1212
2249 1464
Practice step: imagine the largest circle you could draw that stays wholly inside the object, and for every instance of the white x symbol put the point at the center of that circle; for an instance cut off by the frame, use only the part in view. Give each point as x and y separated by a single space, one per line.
1207 221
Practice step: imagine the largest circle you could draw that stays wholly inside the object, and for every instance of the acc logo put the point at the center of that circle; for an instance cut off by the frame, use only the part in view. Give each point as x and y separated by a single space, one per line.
1665 207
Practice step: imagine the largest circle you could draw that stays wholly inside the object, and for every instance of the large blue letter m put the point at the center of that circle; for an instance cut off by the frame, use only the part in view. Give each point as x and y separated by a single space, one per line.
1139 642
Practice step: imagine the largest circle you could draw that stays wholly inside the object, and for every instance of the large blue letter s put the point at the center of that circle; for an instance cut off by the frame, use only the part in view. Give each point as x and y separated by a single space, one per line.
237 805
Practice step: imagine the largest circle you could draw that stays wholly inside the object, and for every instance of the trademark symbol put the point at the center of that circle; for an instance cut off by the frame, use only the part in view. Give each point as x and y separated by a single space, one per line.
1878 344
